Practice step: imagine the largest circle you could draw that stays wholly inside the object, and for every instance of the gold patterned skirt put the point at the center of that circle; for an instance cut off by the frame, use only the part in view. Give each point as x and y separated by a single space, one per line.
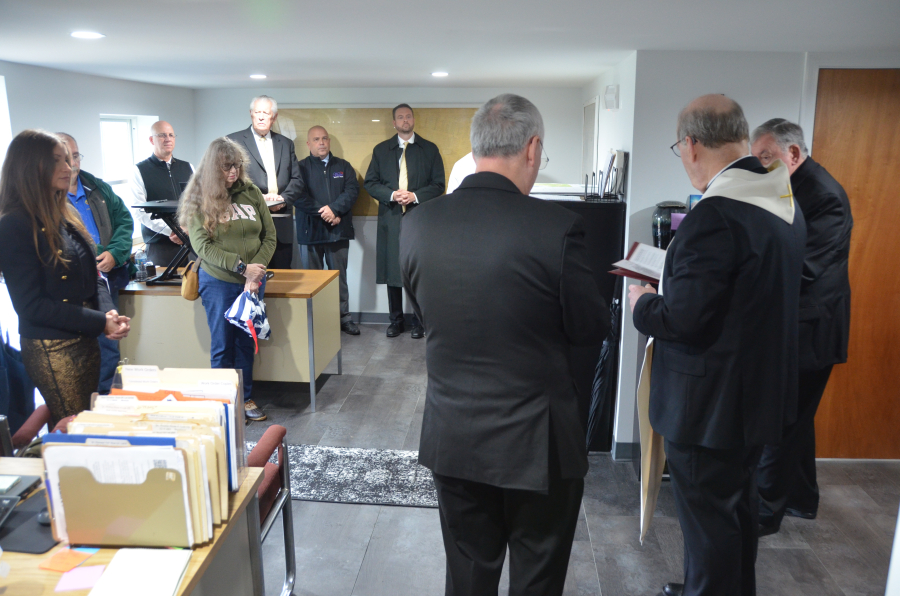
65 371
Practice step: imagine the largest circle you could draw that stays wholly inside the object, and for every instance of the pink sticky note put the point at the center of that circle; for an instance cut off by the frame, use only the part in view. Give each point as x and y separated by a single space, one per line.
80 578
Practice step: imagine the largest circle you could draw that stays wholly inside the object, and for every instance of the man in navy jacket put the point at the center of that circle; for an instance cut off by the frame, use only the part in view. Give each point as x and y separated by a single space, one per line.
324 220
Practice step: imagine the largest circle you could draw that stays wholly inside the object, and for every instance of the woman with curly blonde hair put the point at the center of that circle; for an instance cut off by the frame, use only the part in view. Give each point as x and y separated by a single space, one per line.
232 232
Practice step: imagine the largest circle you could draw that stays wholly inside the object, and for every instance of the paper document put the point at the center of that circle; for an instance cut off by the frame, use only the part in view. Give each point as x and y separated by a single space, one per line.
643 262
143 572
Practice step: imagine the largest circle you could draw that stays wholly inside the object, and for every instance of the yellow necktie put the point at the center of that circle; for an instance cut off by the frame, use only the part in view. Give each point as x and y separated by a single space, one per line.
269 163
404 180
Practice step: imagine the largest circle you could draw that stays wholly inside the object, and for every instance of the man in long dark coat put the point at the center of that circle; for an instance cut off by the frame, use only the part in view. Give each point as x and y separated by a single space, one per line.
406 170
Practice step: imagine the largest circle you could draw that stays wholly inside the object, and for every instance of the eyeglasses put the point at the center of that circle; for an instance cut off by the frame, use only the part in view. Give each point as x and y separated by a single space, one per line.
545 159
228 166
77 156
674 146
163 136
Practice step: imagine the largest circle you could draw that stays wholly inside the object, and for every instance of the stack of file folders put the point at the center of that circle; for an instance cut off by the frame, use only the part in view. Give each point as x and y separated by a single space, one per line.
150 465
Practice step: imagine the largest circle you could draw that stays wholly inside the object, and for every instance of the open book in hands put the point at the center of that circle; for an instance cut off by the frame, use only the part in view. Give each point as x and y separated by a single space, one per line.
643 262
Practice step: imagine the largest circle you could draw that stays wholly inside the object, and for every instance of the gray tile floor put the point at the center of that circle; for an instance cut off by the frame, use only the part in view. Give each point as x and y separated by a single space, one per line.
366 550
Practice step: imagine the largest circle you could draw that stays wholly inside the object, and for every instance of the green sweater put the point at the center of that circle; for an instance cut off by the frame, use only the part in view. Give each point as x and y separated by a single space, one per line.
248 236
115 229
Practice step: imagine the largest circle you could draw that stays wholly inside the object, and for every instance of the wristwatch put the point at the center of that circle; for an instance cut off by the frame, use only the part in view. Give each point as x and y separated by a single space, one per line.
241 267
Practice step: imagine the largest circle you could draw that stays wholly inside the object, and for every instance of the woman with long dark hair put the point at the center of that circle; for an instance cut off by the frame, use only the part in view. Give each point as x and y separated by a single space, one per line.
50 267
233 234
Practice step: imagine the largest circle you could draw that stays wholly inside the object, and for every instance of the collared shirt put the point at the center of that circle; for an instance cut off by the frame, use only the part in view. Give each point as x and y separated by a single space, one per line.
267 153
403 143
325 160
79 200
139 195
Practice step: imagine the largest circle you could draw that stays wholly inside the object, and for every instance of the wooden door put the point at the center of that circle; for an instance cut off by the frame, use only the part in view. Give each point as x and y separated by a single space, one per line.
857 139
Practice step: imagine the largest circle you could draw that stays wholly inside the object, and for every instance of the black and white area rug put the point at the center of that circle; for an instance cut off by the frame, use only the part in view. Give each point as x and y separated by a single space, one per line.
365 476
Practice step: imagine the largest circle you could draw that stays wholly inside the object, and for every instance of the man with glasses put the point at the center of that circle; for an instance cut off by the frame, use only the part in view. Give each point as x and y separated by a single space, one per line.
274 169
504 286
108 221
787 472
406 170
160 177
724 358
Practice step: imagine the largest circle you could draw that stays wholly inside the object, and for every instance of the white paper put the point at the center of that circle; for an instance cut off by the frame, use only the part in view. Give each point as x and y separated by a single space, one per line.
646 260
143 572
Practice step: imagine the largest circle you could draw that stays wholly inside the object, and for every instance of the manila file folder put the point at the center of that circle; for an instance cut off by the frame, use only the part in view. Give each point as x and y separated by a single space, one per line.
147 514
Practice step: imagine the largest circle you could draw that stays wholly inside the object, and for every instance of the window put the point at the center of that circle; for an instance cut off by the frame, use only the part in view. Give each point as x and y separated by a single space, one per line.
123 143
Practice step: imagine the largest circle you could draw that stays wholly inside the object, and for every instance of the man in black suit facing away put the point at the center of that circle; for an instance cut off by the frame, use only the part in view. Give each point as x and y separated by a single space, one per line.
406 170
502 284
787 472
274 169
724 368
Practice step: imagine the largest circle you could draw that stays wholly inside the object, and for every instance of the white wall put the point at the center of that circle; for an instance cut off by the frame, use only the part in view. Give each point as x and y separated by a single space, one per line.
5 126
765 84
222 111
61 101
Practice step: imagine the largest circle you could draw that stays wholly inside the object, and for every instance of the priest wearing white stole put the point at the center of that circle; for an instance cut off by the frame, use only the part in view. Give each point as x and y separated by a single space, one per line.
724 371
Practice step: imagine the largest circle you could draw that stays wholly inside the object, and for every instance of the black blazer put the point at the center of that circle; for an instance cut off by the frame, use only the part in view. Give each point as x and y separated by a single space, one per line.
288 173
334 186
52 301
825 289
724 371
502 284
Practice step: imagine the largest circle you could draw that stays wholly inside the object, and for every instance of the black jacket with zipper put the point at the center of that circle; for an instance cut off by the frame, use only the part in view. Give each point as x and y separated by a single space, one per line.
335 186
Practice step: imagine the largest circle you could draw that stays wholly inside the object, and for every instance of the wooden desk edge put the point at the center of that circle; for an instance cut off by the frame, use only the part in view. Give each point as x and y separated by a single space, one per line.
139 289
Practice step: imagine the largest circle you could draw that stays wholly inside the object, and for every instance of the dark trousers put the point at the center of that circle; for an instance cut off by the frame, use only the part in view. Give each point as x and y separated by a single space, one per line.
109 348
717 504
787 472
334 255
284 254
395 306
480 521
230 347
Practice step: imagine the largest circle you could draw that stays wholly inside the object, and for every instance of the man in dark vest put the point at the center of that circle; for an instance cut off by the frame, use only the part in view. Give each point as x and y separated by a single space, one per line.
405 170
160 177
787 472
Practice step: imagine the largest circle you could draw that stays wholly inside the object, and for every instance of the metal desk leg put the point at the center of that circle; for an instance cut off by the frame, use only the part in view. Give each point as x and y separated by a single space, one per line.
255 542
312 354
340 362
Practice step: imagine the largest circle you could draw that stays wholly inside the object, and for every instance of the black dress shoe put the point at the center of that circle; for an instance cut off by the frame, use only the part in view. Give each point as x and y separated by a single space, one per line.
673 589
767 530
394 329
417 332
800 513
350 328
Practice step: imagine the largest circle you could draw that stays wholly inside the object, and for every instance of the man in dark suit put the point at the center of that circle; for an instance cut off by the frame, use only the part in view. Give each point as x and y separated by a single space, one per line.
502 283
724 368
405 171
787 472
274 169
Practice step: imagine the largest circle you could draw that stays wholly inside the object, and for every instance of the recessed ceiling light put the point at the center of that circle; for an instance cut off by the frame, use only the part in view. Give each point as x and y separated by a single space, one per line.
376 120
87 35
257 76
439 74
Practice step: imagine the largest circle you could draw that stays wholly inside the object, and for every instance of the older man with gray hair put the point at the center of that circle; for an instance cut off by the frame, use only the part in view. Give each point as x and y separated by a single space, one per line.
787 472
502 284
724 357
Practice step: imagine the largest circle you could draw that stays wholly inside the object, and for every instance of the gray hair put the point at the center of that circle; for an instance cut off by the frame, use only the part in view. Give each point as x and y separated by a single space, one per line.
504 125
713 127
268 99
785 133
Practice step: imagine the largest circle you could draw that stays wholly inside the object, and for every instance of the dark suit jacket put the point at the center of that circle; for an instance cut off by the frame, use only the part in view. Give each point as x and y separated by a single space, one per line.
52 301
825 289
502 284
289 180
724 371
425 175
334 186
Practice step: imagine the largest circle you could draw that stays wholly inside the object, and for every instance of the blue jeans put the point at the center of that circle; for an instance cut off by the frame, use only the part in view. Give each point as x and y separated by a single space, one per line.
109 349
230 347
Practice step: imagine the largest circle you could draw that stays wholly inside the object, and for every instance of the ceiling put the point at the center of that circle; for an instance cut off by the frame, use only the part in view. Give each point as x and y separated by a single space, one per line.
340 43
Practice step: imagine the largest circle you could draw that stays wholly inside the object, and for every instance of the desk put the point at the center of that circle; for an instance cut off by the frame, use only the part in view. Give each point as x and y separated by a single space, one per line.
233 558
169 331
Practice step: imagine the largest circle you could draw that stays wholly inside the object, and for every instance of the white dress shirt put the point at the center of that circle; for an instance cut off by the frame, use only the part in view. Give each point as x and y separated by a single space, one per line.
139 195
403 144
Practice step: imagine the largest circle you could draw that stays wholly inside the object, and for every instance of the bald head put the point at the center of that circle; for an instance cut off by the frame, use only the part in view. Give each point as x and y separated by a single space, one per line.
318 142
162 138
712 133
